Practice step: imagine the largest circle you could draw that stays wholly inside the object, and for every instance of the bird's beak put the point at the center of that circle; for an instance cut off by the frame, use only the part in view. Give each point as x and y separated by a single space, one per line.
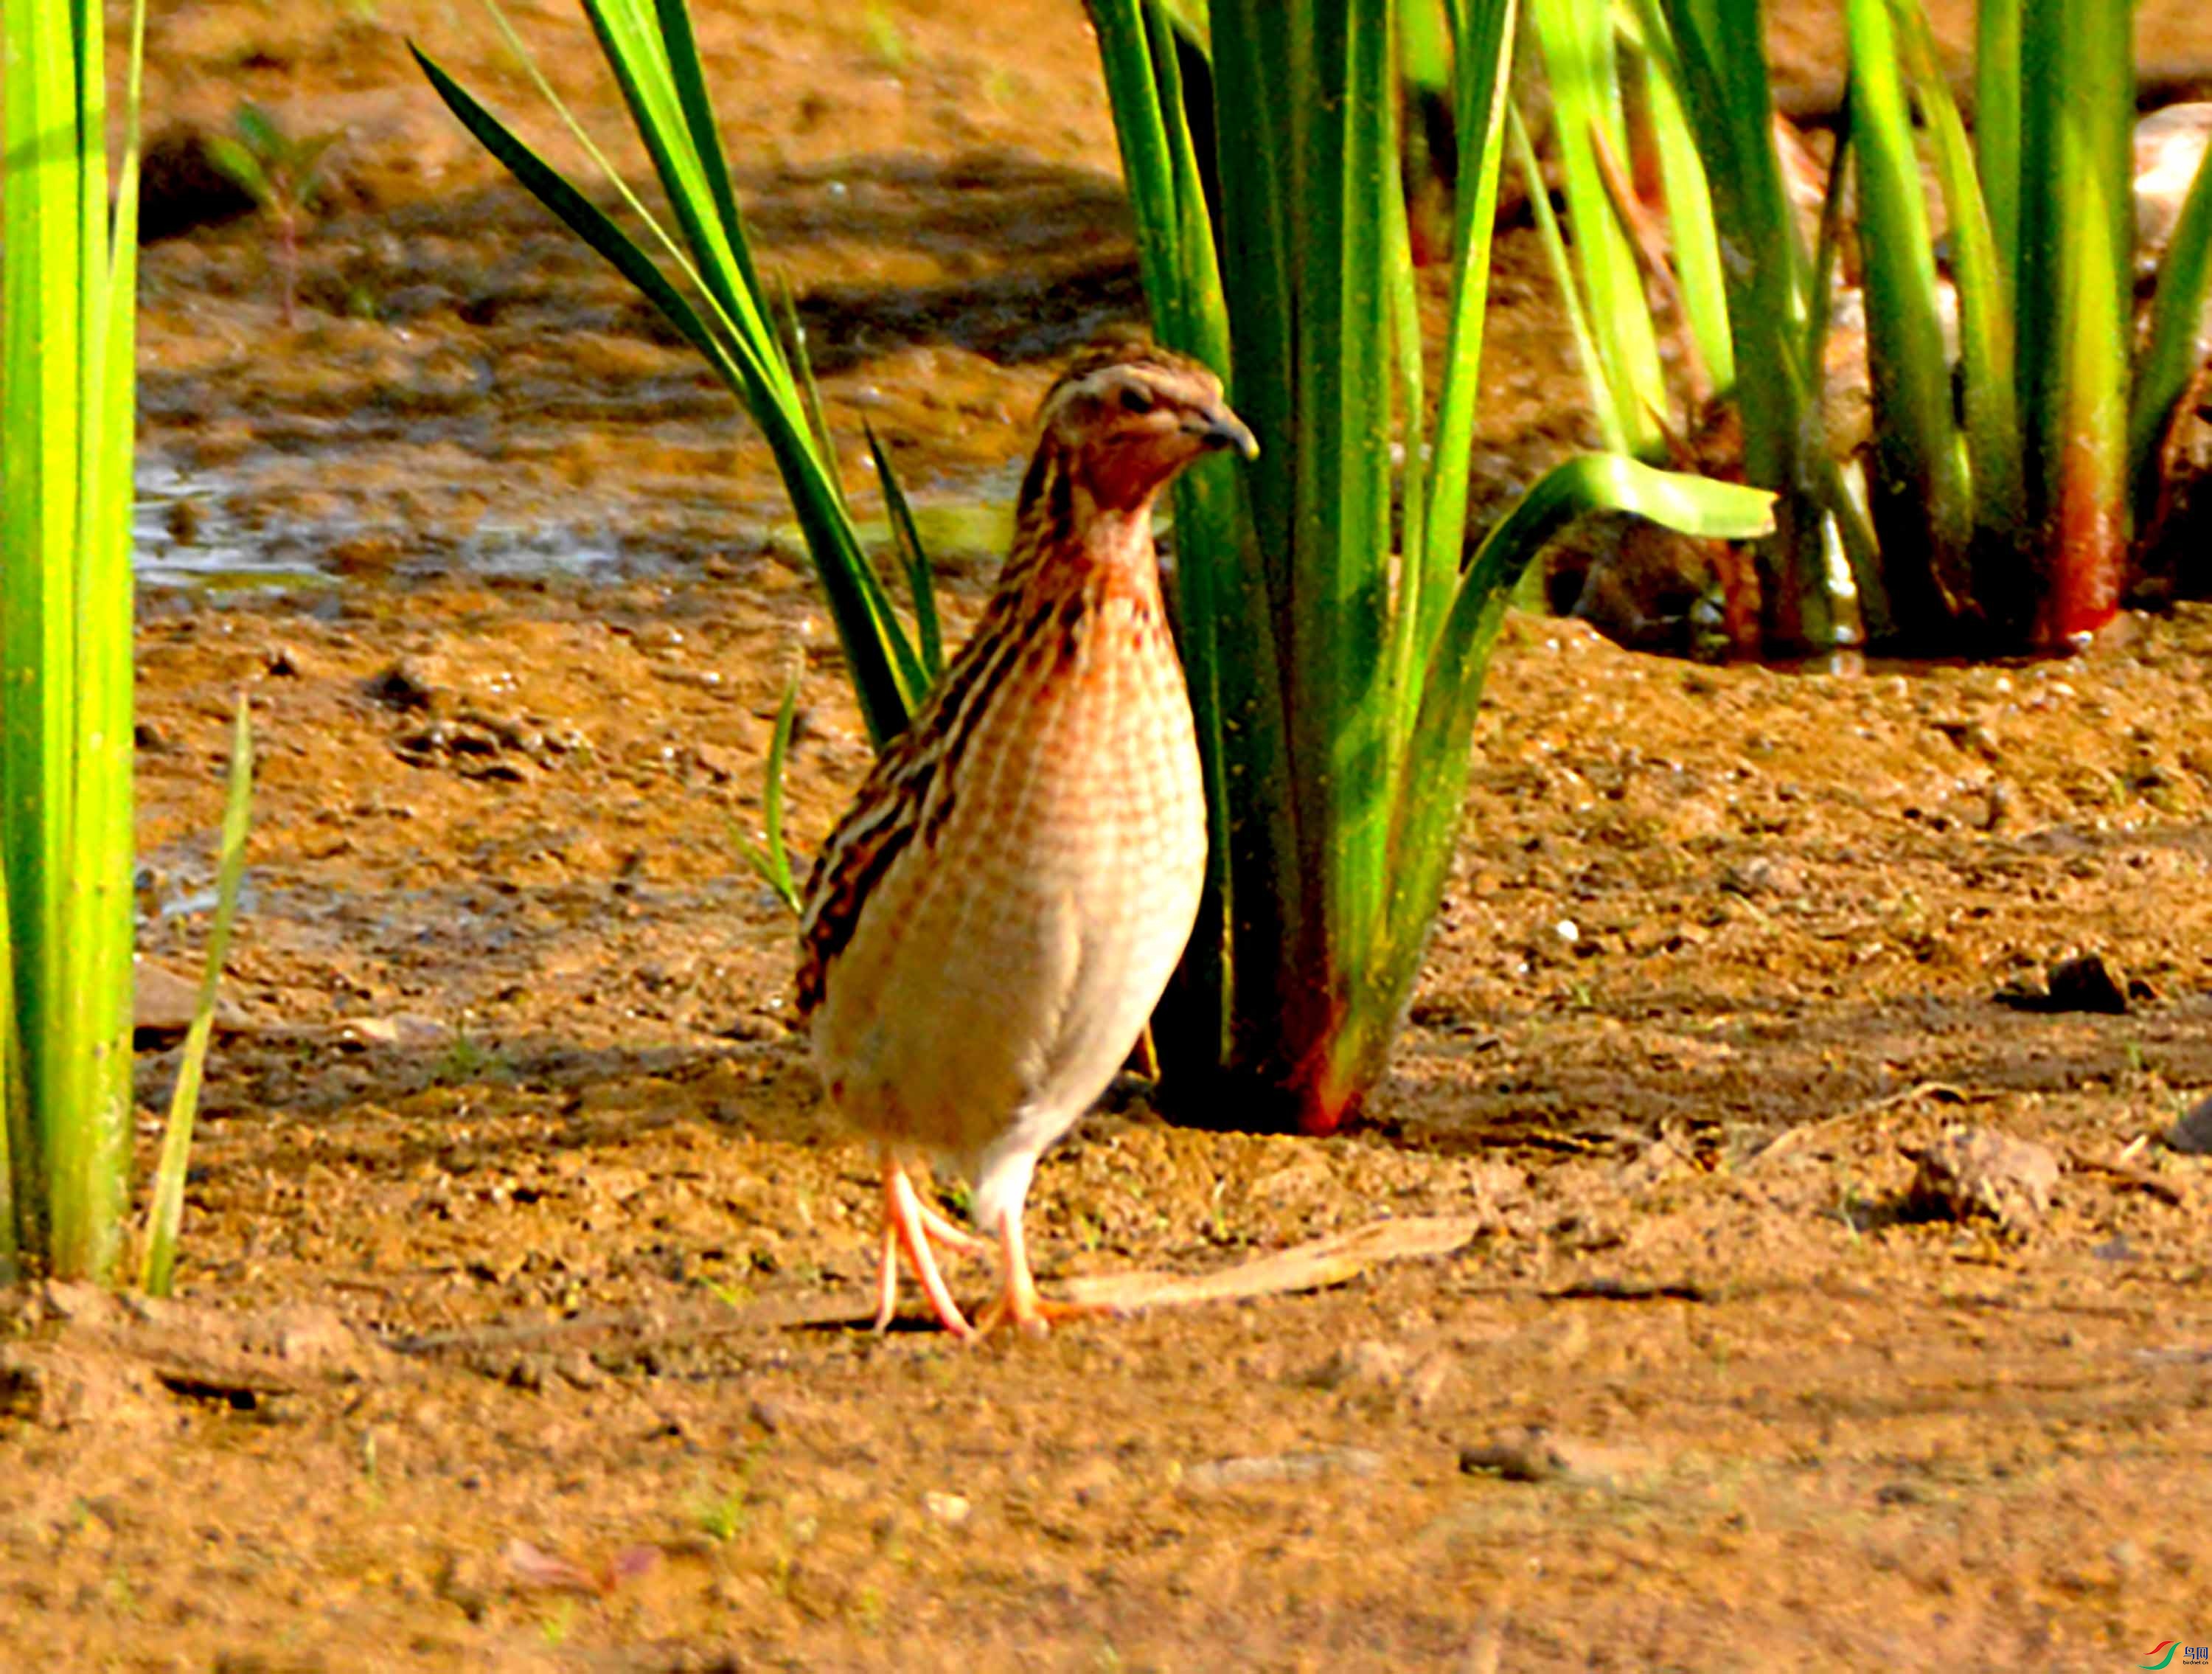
1222 429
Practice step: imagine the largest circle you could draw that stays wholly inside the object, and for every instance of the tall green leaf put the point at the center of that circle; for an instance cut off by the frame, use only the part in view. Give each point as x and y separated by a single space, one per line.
1921 492
66 416
1590 128
1227 626
1433 780
2171 357
1696 239
770 860
1607 407
1996 129
1779 379
2076 237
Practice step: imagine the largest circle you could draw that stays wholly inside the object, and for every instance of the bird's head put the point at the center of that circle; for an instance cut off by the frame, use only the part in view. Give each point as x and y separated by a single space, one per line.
1126 418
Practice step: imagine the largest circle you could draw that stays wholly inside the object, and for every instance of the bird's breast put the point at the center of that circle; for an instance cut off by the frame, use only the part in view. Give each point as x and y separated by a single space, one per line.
1009 955
1089 770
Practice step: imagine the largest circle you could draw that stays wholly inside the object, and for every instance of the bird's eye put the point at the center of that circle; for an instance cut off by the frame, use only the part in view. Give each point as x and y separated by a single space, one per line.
1135 400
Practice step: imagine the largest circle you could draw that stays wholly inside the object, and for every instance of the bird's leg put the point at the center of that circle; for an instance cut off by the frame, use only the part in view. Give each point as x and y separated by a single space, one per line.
1019 1304
887 1274
905 1228
947 1236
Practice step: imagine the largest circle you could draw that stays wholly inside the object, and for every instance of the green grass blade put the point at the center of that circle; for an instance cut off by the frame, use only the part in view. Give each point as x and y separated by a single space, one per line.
1434 772
1224 576
2171 359
1141 126
1431 786
40 413
1985 339
1838 492
1342 457
1922 496
589 222
1220 621
1827 248
747 329
94 1166
1696 241
13 1143
1576 38
166 1216
769 859
818 421
640 55
1689 505
68 302
1203 330
1996 129
1424 45
1412 484
1727 94
690 85
1483 51
1252 72
1611 426
656 64
920 579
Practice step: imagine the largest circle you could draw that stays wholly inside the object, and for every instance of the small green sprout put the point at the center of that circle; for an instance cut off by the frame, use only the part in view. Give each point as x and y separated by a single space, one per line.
282 175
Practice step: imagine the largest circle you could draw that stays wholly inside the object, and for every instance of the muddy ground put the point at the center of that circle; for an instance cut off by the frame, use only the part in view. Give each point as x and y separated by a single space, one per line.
518 1248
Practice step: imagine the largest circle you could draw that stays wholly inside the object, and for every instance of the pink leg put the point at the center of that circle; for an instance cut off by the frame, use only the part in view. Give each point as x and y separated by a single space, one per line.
887 1275
946 1236
906 1228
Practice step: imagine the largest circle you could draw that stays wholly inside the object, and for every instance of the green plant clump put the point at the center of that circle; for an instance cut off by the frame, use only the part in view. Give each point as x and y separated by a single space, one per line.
2009 472
68 295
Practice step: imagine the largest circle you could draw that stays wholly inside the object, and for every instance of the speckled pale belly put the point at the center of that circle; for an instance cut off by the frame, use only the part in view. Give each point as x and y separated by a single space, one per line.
1004 965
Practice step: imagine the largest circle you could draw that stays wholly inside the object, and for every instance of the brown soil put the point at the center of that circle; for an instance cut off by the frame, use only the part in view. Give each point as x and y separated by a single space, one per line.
518 1250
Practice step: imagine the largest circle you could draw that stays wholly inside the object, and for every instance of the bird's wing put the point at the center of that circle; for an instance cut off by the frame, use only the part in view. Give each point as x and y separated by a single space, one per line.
908 793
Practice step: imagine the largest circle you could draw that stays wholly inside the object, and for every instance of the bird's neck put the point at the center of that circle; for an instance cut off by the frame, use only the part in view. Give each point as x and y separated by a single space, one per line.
1064 527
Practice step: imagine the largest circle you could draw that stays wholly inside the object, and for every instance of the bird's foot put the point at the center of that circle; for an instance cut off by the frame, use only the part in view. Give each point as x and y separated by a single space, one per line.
1037 1316
1017 1305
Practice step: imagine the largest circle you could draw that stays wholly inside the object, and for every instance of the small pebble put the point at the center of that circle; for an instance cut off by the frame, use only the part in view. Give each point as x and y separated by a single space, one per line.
1970 1172
2087 984
405 685
1367 1365
1533 1454
2192 1134
1284 1468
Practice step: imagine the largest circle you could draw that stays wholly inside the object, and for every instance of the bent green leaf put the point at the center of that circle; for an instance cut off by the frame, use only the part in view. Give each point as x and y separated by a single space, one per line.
157 1271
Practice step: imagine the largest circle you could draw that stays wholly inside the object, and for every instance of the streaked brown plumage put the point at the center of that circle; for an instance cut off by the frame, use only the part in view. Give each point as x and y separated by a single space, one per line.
991 923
